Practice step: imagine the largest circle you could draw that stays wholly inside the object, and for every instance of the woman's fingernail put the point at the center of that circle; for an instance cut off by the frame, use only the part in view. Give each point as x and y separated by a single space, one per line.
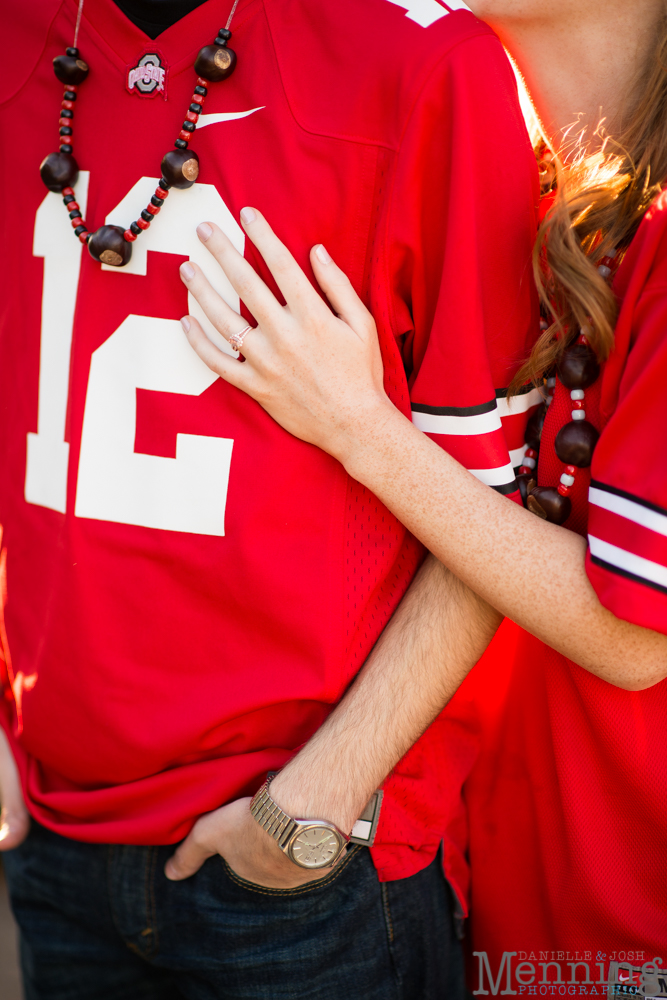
185 323
248 215
322 254
187 270
204 231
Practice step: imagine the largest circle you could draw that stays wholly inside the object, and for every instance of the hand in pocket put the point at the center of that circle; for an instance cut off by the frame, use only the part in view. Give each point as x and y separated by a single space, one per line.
14 818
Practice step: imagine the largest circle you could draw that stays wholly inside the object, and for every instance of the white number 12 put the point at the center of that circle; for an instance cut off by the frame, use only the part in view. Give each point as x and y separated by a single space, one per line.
114 483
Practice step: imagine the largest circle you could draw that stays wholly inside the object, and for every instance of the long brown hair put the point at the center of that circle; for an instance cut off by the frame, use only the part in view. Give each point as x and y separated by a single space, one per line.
600 201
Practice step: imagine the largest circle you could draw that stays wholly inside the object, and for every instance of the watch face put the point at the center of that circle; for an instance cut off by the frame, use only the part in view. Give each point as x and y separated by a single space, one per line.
315 847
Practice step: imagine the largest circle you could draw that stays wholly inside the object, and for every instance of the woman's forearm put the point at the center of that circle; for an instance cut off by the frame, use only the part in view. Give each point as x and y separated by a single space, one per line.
528 569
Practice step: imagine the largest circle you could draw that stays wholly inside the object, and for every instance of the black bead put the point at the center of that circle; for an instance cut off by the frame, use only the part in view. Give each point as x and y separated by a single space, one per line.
79 230
225 33
109 246
134 228
71 51
180 168
578 368
215 63
534 427
69 95
65 130
70 69
196 109
188 126
68 198
66 148
164 184
66 113
76 214
146 216
575 443
202 91
549 504
220 41
59 170
181 144
158 202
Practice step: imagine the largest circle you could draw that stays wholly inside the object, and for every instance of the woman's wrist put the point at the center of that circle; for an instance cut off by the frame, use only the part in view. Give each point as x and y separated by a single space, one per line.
363 436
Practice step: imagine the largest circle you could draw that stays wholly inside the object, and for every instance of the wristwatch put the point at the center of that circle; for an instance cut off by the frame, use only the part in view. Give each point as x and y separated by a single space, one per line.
309 843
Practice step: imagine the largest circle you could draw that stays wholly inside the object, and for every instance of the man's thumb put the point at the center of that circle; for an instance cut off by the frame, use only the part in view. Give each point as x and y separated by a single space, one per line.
186 859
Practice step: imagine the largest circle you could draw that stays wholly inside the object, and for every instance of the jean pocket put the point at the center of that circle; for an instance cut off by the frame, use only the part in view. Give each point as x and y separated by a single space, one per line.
300 890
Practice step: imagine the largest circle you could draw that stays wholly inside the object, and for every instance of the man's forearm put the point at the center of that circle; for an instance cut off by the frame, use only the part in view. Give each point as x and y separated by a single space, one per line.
439 631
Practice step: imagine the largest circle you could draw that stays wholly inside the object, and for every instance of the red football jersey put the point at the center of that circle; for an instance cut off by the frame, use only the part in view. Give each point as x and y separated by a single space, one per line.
567 800
188 588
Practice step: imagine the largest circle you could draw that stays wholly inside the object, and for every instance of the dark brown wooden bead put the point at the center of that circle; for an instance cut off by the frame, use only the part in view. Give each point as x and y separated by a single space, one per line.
575 443
59 170
526 482
215 63
547 503
534 427
70 70
180 167
578 368
109 246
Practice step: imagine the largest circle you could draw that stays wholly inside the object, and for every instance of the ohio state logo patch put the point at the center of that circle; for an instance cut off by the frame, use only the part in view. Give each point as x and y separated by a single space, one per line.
148 76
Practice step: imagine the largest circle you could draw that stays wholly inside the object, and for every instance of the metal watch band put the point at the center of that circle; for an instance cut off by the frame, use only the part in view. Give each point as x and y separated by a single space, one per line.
271 817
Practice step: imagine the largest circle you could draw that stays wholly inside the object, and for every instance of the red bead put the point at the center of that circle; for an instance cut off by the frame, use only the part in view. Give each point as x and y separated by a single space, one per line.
65 140
153 209
77 221
73 207
130 237
531 453
66 121
72 86
525 471
570 470
83 237
564 490
192 116
68 104
185 136
581 339
578 404
67 191
197 99
143 224
201 83
161 193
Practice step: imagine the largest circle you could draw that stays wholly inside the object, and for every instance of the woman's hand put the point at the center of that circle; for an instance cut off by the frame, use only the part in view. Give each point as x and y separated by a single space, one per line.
318 374
14 818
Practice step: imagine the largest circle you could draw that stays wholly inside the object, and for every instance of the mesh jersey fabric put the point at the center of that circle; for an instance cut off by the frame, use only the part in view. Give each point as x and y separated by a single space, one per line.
189 589
566 798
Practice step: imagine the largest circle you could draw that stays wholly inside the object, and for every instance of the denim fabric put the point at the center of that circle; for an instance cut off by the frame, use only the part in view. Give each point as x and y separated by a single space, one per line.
102 922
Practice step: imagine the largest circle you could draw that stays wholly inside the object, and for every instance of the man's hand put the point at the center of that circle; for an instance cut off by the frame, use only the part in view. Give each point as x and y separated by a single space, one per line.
14 818
252 854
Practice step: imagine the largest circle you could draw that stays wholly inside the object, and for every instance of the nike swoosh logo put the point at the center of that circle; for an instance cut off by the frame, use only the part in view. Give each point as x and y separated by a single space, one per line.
227 116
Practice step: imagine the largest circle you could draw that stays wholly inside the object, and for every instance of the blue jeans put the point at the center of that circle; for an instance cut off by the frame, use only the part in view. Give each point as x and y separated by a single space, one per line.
102 922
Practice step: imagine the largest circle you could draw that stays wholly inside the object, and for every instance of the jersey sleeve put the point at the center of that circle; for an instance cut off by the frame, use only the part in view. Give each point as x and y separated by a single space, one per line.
627 524
461 234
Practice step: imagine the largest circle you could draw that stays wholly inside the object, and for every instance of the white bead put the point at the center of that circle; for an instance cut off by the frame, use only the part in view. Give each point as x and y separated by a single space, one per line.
578 414
551 382
549 400
567 480
529 463
577 394
604 271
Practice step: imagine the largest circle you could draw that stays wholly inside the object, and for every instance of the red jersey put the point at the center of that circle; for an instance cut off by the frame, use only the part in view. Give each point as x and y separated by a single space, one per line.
567 800
189 589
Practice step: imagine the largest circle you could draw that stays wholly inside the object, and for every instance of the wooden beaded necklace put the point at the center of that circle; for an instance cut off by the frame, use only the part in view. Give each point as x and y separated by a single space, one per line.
575 442
180 166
